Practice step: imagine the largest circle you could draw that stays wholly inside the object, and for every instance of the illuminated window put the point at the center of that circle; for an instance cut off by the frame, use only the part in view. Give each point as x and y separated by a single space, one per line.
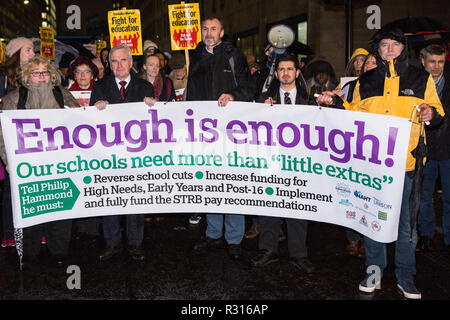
302 32
248 45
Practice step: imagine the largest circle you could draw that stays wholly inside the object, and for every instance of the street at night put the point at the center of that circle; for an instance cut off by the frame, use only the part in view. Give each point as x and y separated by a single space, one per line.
224 159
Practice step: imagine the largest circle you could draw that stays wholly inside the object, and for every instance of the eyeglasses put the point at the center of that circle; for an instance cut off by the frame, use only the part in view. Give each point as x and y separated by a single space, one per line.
40 74
85 72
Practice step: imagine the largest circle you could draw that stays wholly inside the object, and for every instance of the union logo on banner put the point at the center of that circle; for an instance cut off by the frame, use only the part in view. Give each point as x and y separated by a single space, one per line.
125 28
184 21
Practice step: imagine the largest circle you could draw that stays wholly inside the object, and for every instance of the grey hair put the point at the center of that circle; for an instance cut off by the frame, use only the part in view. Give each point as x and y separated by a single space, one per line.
33 63
433 49
118 47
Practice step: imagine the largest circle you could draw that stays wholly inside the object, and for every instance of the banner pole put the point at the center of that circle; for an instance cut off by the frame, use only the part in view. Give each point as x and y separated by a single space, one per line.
186 53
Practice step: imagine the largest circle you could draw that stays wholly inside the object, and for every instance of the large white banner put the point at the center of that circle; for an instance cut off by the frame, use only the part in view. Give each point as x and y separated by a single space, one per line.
302 162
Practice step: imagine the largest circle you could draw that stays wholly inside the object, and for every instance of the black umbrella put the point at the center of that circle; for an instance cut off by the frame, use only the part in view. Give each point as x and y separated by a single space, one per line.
420 152
298 47
60 49
413 26
81 49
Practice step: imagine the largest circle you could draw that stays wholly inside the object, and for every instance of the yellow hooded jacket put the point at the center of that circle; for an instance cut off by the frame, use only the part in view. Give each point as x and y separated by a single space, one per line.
396 95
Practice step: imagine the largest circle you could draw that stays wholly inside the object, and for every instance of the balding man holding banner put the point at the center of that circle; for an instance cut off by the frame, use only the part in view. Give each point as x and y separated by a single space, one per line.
122 86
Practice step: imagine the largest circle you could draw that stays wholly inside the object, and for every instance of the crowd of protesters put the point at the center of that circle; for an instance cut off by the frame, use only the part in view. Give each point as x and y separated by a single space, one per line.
218 71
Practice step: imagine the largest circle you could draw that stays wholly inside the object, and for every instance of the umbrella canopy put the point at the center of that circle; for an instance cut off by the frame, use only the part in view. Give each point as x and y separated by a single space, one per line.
416 25
298 47
60 49
419 32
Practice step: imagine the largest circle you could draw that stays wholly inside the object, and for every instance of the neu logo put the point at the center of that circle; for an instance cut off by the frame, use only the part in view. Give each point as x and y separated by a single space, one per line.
358 194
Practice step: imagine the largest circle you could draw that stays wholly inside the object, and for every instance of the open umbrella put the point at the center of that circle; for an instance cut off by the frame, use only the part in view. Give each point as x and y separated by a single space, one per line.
416 25
418 28
60 49
298 47
419 32
420 152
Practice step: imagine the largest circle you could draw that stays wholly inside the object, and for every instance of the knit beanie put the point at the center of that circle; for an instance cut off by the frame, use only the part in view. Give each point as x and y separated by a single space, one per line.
15 45
148 44
359 52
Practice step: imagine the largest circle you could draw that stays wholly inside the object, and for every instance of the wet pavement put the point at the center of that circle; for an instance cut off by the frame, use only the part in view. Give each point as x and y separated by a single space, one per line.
174 272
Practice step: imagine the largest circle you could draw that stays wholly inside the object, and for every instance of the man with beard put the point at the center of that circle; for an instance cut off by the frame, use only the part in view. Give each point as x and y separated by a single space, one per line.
288 89
218 71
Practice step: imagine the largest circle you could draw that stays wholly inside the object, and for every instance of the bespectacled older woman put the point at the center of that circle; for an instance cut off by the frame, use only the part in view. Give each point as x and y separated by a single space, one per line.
39 75
43 90
84 72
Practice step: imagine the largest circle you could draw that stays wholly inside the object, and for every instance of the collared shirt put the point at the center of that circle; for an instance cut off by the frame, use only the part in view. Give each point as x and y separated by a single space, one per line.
292 95
439 83
212 51
126 84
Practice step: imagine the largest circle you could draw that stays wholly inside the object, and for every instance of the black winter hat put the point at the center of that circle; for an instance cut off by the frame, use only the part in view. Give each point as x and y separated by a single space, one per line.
394 34
401 62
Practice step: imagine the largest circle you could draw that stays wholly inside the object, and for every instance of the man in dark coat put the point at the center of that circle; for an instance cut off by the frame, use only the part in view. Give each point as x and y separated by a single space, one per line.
218 71
286 79
289 90
122 86
438 160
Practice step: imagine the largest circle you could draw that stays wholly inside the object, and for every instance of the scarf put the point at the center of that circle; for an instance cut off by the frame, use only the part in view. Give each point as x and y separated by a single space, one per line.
440 82
158 86
76 87
40 96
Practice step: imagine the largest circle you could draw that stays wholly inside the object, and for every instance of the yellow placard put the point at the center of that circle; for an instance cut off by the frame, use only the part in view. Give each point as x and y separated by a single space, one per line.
2 52
125 28
184 22
47 43
101 44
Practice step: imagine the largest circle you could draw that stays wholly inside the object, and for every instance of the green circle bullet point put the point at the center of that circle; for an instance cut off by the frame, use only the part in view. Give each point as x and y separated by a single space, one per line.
269 191
87 179
199 175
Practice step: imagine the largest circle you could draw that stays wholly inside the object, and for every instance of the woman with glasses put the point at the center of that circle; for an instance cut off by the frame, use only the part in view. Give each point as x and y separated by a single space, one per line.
83 72
41 89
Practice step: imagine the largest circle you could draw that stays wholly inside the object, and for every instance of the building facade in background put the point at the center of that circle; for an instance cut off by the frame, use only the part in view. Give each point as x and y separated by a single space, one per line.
24 17
321 24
